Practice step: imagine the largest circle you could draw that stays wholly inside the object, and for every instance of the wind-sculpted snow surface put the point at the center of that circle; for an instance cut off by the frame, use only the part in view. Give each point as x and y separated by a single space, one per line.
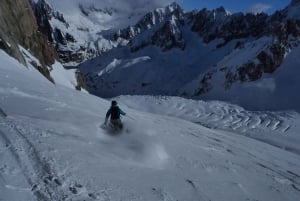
276 128
52 148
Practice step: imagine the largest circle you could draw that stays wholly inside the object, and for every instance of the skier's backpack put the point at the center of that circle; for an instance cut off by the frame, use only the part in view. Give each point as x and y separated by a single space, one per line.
115 113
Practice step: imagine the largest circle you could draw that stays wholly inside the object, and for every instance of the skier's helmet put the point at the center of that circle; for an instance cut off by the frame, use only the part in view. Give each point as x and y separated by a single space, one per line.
113 103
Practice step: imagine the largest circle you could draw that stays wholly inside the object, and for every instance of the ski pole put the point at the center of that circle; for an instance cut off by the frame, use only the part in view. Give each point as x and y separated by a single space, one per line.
130 117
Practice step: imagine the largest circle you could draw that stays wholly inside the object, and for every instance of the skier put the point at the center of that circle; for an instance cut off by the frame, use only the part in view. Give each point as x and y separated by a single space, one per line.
114 112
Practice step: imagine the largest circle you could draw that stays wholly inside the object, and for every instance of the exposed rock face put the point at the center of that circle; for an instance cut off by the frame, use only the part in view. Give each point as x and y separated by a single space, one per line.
44 13
168 37
268 61
60 38
81 83
221 24
18 26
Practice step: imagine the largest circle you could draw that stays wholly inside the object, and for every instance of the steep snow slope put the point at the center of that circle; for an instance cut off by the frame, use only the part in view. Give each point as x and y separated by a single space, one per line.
51 148
57 72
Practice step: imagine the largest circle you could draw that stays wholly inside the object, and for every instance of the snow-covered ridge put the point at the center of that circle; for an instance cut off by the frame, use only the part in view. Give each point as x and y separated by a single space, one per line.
52 148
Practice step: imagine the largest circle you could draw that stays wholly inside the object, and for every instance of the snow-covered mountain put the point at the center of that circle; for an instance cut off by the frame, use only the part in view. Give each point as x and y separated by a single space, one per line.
82 29
52 148
200 54
204 54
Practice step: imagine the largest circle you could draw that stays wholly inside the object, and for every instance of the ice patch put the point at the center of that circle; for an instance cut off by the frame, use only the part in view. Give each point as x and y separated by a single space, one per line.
110 67
136 61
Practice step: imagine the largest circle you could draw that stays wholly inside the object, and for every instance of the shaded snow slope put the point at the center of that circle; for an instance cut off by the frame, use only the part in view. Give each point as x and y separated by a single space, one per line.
161 73
276 91
52 148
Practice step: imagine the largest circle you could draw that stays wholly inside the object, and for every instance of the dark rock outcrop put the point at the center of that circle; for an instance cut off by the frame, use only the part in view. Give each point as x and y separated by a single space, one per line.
81 83
18 26
60 38
218 23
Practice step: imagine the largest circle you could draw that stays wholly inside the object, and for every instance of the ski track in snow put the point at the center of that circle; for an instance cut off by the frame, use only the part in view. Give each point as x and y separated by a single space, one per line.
44 183
38 170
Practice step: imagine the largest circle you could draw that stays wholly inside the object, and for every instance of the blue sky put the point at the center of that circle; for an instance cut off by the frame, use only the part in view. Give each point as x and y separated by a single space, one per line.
268 6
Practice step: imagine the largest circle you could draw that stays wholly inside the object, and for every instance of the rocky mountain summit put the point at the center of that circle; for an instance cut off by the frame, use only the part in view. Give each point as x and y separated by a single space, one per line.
210 25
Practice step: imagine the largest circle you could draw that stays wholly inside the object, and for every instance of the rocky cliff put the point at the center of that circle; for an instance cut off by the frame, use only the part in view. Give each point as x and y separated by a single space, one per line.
18 26
83 29
60 37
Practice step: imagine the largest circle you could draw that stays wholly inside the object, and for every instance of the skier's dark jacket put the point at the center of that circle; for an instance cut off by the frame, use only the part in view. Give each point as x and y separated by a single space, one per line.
114 112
